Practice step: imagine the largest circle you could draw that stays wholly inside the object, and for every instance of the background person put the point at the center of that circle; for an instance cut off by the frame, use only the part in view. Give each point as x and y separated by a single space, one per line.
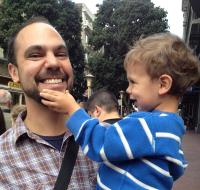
103 105
31 153
2 123
16 109
143 150
6 105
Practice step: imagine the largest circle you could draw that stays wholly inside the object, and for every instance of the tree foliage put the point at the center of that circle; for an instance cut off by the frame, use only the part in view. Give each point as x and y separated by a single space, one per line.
63 14
118 24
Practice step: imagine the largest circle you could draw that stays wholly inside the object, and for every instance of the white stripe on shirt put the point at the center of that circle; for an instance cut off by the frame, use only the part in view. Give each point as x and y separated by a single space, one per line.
104 187
86 149
123 172
168 135
124 141
131 177
77 135
157 168
103 155
148 132
181 152
176 161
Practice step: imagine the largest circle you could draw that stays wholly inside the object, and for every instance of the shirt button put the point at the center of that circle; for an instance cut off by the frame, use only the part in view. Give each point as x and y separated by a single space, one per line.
52 150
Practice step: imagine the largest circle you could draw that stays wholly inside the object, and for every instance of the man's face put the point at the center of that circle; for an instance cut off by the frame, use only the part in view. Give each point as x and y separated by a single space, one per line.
42 61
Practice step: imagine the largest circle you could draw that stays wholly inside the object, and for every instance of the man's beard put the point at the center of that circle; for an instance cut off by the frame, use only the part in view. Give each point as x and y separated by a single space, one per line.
33 92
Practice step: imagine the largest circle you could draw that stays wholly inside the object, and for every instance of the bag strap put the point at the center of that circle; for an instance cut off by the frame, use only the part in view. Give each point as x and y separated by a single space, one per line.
67 166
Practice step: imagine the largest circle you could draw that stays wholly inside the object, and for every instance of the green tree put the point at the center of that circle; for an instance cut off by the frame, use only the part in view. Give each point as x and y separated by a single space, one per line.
63 14
118 24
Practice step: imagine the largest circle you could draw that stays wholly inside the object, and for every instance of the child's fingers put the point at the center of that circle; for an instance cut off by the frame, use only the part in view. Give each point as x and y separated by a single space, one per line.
48 96
52 92
52 106
48 103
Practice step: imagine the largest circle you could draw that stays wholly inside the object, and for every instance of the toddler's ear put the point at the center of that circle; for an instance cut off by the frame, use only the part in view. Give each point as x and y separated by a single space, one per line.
165 84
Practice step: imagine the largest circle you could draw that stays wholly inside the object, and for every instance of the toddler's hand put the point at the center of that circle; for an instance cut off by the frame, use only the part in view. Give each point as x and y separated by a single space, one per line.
59 101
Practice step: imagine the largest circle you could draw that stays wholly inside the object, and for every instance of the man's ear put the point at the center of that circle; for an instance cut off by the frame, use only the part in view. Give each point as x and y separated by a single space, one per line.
13 71
165 84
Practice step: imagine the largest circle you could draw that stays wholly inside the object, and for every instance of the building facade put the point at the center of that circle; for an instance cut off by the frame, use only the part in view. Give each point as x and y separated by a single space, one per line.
191 35
87 27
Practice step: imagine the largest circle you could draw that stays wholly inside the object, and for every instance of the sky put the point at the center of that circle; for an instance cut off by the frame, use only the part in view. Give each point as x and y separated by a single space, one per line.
173 7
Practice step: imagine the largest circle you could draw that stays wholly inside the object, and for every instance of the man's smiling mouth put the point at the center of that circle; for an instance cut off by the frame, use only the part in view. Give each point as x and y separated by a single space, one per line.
53 81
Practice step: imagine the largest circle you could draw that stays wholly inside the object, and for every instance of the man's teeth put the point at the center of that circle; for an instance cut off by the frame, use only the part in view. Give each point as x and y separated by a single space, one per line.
53 81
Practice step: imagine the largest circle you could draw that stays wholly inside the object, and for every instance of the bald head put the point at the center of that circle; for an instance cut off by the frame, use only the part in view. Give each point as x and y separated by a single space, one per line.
13 41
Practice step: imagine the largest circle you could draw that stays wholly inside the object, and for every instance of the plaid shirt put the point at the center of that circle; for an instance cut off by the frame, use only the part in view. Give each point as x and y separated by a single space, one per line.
27 162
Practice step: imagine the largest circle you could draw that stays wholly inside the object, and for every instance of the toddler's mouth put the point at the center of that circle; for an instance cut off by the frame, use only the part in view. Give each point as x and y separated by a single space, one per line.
133 103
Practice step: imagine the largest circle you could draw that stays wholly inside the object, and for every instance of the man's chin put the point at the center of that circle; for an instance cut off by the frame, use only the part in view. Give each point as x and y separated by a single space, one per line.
57 87
34 95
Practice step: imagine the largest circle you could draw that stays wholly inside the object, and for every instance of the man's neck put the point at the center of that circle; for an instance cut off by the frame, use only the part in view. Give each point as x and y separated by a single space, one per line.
42 121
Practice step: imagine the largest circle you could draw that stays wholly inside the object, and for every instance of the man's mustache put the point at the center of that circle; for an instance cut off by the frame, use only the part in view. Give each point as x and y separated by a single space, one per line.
51 74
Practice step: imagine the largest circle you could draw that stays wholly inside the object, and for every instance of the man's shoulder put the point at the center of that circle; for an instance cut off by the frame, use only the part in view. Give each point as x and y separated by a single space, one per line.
7 140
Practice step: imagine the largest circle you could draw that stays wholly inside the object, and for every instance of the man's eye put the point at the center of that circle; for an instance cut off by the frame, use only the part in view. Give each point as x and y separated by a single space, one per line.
61 54
35 55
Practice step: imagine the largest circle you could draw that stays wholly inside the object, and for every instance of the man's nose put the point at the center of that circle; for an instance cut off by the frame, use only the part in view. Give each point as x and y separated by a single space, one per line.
51 60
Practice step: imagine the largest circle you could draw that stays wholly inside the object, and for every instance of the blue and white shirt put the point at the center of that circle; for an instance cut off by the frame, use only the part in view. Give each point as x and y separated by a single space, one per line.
141 151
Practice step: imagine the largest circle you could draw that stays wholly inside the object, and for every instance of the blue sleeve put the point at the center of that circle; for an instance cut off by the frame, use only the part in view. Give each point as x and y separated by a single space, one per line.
121 141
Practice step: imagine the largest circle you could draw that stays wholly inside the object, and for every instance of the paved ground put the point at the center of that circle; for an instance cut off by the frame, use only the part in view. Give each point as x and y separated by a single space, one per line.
191 178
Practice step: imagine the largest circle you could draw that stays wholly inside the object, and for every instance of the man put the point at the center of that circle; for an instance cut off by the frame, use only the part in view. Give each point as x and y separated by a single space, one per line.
103 105
31 153
6 103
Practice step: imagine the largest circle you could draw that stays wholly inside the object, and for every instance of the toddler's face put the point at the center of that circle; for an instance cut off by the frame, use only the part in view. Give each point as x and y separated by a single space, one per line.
142 89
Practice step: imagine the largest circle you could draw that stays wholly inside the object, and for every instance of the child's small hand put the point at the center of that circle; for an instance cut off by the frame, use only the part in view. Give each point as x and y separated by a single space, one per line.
59 101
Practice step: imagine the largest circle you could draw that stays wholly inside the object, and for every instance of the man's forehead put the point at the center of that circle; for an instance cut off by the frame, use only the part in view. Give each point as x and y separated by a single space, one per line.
37 31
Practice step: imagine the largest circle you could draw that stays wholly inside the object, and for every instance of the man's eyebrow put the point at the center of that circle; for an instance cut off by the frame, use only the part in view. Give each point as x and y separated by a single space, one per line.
32 48
61 47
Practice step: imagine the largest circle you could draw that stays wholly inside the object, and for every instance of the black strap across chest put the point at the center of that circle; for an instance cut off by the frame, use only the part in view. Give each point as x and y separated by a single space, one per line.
67 166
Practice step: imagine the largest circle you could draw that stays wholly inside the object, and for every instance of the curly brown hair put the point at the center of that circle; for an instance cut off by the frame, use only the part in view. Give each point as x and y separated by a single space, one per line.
165 53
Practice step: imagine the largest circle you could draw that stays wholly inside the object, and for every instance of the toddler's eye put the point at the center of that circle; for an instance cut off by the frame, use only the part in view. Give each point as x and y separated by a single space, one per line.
131 81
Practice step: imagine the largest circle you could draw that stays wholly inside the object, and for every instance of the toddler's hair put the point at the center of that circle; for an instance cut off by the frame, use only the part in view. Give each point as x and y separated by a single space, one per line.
165 53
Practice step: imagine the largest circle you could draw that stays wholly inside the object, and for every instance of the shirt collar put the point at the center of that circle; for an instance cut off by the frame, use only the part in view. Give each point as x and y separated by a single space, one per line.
21 131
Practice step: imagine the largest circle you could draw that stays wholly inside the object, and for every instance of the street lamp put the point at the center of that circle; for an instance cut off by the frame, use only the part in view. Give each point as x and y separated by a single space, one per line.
121 92
89 77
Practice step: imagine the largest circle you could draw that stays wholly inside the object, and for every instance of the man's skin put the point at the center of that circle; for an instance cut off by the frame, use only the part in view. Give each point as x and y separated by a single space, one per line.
42 63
